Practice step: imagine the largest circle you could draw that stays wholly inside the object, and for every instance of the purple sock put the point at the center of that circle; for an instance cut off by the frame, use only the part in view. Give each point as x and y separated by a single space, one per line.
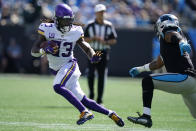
69 96
92 105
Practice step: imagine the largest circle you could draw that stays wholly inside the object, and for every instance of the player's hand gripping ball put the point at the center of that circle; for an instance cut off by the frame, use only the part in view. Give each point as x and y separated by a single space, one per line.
50 47
96 57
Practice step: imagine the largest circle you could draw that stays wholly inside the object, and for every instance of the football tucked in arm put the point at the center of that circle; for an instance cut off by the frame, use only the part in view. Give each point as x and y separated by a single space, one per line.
50 47
48 43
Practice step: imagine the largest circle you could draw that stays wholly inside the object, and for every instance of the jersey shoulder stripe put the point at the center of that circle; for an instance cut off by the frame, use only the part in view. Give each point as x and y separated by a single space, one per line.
41 32
45 27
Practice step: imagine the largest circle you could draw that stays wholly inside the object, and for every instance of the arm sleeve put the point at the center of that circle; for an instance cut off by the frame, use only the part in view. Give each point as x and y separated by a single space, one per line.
80 32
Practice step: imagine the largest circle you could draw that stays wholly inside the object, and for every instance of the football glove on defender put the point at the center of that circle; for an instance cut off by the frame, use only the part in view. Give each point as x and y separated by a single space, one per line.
96 57
134 72
137 70
184 47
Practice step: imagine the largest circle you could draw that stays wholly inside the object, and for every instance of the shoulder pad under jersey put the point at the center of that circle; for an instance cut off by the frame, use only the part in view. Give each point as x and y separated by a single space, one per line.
78 31
45 27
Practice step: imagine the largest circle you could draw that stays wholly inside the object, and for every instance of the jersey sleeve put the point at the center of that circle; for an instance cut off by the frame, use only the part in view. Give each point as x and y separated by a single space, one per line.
47 30
80 32
41 29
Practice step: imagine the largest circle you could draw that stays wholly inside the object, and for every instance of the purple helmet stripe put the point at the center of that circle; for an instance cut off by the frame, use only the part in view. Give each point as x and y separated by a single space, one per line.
69 73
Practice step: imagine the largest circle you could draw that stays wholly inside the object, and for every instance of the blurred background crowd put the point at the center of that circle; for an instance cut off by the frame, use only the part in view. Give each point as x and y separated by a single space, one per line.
127 14
122 13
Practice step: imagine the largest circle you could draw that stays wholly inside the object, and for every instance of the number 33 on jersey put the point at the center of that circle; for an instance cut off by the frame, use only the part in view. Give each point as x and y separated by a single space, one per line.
66 42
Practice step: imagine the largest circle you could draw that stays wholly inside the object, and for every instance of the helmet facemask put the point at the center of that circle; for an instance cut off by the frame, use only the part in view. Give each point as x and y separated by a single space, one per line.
63 18
64 24
165 22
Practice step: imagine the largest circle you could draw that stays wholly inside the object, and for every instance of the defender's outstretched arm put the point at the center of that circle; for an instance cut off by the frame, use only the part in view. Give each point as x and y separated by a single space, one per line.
156 64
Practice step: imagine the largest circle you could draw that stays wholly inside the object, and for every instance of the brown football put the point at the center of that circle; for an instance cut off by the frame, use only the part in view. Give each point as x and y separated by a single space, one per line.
48 43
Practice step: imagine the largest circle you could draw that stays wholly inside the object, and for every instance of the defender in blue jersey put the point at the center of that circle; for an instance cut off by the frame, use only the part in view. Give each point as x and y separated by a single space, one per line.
57 40
181 76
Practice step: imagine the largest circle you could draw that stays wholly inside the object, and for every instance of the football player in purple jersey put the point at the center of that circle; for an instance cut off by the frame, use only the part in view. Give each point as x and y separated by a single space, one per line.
62 63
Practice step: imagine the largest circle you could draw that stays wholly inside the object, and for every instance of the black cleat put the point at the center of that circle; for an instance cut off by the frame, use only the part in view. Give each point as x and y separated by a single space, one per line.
117 119
144 120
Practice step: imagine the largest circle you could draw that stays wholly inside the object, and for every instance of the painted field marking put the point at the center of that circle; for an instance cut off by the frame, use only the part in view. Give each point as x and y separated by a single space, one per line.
104 127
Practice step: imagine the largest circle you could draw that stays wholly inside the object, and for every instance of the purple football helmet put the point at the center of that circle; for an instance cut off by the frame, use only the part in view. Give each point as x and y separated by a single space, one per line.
63 17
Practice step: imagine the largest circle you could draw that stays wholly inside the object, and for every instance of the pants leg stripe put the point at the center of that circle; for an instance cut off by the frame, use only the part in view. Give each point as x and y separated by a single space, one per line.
69 73
170 77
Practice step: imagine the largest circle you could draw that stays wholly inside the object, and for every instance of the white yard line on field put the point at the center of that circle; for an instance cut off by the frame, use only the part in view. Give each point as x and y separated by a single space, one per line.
104 127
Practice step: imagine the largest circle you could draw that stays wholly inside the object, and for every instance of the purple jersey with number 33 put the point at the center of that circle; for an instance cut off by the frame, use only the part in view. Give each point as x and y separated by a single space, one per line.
66 42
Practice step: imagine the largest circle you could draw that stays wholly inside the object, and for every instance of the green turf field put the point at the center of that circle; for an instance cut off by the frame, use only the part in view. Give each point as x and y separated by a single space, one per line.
28 103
